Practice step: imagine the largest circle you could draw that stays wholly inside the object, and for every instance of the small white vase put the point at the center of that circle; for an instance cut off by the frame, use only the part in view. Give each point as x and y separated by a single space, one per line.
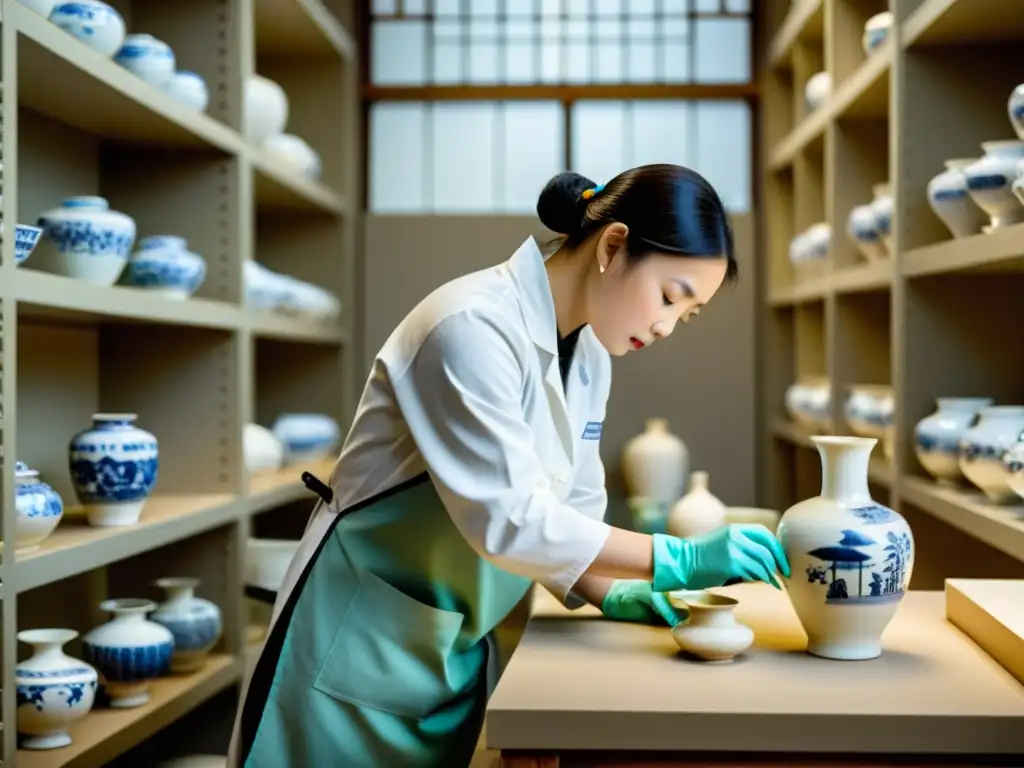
129 651
194 622
54 690
882 207
982 448
189 89
862 227
818 88
851 558
148 58
94 23
306 436
937 437
655 463
264 109
989 183
85 240
868 409
38 506
948 198
710 631
294 153
699 511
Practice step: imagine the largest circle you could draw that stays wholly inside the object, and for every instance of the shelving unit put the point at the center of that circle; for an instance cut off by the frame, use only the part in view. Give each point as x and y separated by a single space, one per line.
194 371
934 319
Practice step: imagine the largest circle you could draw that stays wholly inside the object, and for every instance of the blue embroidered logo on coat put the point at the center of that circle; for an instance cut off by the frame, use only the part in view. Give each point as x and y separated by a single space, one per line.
592 431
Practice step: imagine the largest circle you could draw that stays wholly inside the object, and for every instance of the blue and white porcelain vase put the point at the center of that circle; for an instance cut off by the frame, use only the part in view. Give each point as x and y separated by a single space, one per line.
54 690
163 264
114 467
948 198
129 650
306 436
189 89
149 58
937 437
989 181
882 207
851 557
194 622
85 240
862 227
94 23
26 237
876 31
39 508
982 448
1015 110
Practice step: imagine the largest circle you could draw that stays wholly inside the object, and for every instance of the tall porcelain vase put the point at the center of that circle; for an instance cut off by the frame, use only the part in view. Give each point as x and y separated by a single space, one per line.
851 557
655 464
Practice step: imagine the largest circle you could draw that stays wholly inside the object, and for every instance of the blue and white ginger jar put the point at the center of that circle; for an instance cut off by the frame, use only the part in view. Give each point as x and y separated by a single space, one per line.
862 227
306 436
982 448
163 264
38 506
937 437
85 240
149 58
54 690
948 198
114 467
194 622
94 23
129 651
990 180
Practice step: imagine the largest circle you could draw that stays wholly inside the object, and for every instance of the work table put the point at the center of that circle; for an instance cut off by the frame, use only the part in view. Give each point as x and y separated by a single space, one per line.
578 683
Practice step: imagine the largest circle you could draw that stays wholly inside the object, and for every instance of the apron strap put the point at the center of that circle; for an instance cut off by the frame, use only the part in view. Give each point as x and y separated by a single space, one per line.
318 487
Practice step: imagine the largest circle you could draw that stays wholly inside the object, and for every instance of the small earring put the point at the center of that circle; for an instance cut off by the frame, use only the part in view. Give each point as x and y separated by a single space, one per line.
601 267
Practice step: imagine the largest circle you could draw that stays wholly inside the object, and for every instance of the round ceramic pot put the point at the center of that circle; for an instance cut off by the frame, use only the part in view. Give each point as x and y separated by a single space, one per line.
114 466
163 264
710 630
261 449
188 88
294 153
818 88
1013 461
306 436
54 690
868 409
129 651
876 31
655 464
982 448
937 437
851 558
881 206
39 508
149 58
194 622
1015 110
265 109
863 229
819 238
85 240
94 23
948 198
990 179
808 402
699 511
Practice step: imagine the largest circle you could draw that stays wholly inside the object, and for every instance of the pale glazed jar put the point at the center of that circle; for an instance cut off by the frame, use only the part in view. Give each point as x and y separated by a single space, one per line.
699 511
711 631
655 464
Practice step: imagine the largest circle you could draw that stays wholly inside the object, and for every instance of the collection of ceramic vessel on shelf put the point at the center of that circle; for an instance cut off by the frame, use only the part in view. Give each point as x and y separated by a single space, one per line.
121 658
876 31
265 117
100 27
867 409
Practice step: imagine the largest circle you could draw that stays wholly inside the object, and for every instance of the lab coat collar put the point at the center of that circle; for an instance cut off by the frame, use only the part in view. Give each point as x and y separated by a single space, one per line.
531 278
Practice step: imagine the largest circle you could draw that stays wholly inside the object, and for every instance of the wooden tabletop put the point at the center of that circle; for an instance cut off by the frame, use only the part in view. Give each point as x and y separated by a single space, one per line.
579 682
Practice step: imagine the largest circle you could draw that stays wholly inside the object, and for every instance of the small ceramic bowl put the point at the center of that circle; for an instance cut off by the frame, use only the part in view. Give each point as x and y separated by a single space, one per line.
711 631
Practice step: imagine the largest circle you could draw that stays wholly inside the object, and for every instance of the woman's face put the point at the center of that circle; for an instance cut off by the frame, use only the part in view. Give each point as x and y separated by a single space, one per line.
632 306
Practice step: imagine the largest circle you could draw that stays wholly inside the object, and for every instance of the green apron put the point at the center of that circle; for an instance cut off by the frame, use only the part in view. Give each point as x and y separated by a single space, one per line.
379 656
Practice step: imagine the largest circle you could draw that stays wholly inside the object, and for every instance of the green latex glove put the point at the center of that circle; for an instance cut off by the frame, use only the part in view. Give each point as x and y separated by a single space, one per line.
635 601
746 552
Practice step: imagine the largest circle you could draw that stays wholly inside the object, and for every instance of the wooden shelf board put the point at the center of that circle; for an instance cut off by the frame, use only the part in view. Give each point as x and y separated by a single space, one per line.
63 78
812 289
870 276
41 295
810 131
106 732
999 526
272 489
282 188
804 21
303 28
999 250
963 21
269 325
76 547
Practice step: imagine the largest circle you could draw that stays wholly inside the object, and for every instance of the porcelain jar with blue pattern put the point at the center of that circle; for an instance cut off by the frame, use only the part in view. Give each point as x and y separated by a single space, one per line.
982 448
114 467
1013 461
1015 110
85 240
851 558
94 23
129 651
990 179
38 506
863 229
148 58
948 198
876 31
164 265
195 623
937 437
54 690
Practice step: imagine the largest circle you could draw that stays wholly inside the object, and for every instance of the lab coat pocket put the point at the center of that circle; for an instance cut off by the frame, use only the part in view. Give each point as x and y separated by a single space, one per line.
390 652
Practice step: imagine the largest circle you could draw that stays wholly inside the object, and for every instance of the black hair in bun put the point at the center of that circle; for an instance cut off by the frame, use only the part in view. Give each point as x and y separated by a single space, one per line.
560 206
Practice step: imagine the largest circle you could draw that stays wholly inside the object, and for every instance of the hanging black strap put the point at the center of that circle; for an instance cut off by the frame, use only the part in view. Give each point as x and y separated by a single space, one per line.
318 487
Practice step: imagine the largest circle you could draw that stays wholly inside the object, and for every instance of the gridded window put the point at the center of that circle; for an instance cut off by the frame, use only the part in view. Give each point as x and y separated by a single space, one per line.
530 42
